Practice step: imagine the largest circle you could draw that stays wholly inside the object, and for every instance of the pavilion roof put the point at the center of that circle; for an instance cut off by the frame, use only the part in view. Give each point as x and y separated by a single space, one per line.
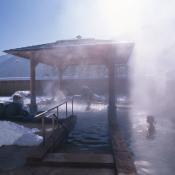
63 53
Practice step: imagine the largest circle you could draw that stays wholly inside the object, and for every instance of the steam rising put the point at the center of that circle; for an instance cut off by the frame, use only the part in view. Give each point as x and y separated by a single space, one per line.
150 24
152 62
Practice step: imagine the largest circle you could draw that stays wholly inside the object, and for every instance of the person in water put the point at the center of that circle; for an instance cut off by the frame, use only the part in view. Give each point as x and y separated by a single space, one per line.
87 94
151 126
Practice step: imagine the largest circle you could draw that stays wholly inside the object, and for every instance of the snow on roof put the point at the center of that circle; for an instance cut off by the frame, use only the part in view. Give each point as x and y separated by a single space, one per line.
76 51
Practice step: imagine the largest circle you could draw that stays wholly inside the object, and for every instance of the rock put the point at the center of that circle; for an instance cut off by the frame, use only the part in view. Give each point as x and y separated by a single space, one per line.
17 98
13 109
2 107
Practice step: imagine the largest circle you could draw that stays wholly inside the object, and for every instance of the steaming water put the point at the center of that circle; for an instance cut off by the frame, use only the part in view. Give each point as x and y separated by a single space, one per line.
91 130
153 152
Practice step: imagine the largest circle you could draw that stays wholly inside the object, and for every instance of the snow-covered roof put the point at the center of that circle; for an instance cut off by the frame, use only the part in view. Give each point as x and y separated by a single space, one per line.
77 51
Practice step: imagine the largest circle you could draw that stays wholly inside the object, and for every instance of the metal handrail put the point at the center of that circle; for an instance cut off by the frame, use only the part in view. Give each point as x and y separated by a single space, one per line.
54 116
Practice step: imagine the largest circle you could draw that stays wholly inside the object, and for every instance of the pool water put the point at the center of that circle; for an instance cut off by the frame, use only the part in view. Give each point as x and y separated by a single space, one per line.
153 152
91 131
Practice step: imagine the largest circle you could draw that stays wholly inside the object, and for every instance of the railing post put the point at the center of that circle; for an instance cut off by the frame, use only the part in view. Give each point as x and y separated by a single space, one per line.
42 115
43 129
57 113
66 109
72 105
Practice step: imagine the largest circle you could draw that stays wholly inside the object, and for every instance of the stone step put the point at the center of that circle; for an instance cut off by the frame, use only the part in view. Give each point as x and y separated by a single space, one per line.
79 160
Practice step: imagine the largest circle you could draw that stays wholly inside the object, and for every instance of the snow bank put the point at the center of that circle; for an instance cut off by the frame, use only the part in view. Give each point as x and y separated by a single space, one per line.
14 134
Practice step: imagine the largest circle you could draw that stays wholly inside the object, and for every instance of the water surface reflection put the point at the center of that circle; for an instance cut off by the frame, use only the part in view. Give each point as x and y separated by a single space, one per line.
153 143
91 130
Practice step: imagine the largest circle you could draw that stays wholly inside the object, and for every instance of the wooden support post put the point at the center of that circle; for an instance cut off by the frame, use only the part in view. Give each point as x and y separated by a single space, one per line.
43 129
72 105
122 157
66 110
111 88
33 105
61 78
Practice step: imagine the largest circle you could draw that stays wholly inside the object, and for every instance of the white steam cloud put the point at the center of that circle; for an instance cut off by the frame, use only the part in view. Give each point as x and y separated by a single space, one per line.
149 24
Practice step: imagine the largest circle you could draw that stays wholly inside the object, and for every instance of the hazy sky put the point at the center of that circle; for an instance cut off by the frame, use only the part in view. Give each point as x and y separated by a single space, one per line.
30 22
27 22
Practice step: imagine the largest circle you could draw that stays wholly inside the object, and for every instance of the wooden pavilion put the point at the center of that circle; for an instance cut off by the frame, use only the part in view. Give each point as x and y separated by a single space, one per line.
64 53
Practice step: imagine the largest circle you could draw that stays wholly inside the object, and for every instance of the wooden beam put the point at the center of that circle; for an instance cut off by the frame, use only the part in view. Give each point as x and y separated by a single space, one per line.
61 70
111 86
124 163
33 105
81 160
61 78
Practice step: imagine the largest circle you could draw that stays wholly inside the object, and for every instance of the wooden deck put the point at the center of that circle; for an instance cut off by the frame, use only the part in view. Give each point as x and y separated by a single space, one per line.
43 160
118 162
79 160
43 170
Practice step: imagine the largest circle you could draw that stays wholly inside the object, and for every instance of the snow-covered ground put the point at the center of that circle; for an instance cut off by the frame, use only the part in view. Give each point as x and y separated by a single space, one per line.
14 134
43 102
